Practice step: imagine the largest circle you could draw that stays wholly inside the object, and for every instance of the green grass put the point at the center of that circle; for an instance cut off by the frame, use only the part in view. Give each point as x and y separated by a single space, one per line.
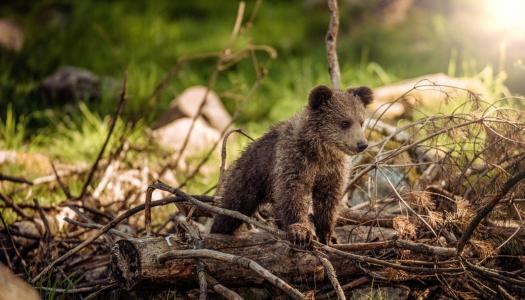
145 39
12 130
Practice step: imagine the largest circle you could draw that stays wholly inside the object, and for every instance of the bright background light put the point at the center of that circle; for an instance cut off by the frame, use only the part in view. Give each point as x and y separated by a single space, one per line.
507 15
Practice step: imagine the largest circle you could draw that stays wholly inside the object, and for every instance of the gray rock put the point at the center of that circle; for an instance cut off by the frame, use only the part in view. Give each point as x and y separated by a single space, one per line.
68 84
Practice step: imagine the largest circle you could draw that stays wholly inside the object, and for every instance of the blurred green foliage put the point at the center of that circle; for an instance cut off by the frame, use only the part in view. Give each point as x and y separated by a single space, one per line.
145 39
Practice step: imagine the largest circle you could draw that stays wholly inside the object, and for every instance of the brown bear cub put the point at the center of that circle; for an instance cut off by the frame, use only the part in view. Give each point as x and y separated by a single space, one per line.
300 162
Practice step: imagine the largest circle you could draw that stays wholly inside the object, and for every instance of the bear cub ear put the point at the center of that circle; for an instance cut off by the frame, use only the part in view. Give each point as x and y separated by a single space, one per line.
364 93
318 96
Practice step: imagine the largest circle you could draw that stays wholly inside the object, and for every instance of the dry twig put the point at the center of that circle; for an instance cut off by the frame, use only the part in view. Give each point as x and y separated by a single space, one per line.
237 260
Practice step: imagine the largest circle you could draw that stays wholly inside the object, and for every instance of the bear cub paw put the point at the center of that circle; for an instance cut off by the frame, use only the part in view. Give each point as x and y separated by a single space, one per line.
301 235
329 239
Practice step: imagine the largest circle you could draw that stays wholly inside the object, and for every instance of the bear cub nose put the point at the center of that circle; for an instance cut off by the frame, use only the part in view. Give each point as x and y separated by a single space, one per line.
361 146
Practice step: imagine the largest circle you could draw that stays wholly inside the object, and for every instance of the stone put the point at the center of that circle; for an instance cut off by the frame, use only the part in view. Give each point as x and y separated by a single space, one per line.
172 136
68 84
187 105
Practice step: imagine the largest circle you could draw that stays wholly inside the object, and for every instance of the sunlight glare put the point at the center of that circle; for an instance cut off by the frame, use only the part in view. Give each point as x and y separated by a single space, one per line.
507 15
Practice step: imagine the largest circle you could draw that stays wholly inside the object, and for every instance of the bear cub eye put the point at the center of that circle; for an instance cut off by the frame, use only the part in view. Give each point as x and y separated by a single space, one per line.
346 124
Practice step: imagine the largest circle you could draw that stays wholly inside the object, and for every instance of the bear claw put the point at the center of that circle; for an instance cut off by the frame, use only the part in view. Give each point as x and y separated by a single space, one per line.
301 235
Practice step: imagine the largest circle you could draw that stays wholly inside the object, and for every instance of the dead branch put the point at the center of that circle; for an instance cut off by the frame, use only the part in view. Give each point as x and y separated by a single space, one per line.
10 203
280 234
112 124
401 244
236 260
223 132
13 244
222 290
213 78
100 232
214 209
223 148
14 179
484 211
64 188
332 276
352 284
331 45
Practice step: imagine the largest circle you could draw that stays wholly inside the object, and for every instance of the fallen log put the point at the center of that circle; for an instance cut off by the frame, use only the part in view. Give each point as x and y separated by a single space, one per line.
431 91
137 261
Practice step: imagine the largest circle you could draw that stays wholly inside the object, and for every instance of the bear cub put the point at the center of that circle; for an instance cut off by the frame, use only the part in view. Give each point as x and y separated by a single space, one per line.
300 164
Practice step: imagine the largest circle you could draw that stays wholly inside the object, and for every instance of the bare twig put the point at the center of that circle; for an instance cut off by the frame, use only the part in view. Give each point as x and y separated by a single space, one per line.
86 289
112 124
47 234
352 284
64 188
331 44
97 226
222 290
223 132
237 260
332 276
212 80
485 210
147 210
100 232
14 179
408 206
401 244
504 293
214 209
223 149
13 242
281 234
175 70
10 203
203 283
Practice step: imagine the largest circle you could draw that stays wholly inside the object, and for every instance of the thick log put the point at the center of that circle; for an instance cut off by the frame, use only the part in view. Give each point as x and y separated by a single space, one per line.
135 261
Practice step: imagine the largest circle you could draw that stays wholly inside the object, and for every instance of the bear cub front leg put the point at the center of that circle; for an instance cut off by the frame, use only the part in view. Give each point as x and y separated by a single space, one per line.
327 194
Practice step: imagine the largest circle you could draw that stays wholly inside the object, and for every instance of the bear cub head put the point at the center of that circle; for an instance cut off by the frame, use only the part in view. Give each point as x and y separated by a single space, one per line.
338 116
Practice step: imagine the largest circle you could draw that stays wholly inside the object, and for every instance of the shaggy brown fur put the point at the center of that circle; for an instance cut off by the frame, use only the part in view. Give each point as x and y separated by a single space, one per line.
299 164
